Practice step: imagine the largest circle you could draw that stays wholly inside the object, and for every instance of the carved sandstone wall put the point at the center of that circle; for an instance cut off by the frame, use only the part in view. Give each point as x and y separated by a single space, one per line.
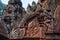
42 23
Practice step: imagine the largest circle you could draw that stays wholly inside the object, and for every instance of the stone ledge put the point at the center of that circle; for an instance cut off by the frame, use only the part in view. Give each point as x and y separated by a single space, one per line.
52 37
52 33
27 39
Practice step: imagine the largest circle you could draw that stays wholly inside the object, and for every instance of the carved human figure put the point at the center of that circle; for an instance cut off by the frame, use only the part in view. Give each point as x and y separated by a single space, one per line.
57 19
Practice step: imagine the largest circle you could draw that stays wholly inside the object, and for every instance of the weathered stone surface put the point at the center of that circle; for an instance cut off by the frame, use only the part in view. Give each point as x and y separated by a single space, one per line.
13 14
3 30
